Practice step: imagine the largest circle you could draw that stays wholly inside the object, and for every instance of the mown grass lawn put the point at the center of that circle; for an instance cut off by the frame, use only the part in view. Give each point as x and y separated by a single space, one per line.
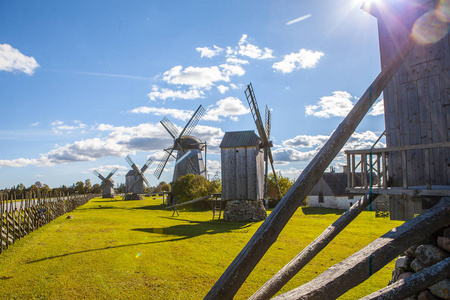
115 249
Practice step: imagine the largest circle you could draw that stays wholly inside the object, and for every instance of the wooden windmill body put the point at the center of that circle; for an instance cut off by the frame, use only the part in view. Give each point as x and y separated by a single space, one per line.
107 184
134 180
242 163
189 159
245 165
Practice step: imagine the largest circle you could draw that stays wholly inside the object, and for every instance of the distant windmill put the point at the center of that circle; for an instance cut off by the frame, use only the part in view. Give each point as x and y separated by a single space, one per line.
107 184
189 156
264 134
134 180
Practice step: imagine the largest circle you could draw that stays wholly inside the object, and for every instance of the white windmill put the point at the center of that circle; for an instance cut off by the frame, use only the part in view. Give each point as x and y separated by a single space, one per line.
189 149
135 178
107 184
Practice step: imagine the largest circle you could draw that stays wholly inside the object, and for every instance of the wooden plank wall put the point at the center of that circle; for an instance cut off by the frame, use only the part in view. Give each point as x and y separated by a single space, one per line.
417 103
242 173
20 217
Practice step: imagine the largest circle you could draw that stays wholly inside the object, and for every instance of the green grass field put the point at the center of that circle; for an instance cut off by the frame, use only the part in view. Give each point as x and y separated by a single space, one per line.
137 250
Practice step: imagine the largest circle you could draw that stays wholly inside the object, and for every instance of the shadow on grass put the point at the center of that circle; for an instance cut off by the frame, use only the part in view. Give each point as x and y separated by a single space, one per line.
100 249
196 228
322 211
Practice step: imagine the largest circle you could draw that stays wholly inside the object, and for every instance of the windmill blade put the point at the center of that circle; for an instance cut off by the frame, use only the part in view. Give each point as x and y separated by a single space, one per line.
269 152
136 169
99 175
171 129
187 130
111 174
129 160
268 124
254 109
147 164
162 164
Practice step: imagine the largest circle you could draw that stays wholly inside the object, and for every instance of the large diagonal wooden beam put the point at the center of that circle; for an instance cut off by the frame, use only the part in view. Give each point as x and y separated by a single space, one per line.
271 287
354 270
236 273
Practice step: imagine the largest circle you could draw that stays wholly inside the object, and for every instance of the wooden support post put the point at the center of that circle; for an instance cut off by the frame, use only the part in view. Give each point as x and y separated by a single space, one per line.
384 170
236 273
413 284
271 287
354 270
353 171
349 172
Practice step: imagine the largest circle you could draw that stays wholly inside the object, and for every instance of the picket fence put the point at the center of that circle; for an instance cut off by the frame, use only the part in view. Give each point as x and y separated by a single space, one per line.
22 215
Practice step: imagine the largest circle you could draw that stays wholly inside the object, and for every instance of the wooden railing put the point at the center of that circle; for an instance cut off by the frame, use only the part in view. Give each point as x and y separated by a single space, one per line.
368 168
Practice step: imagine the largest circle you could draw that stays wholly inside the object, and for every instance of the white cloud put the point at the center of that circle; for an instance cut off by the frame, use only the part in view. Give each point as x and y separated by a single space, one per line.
106 169
232 70
164 94
222 89
304 59
378 108
306 141
207 52
286 155
194 76
59 127
250 50
12 60
237 61
35 124
160 111
228 107
292 172
337 105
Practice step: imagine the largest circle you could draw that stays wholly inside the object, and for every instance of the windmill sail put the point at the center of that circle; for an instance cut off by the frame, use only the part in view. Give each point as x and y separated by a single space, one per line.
264 133
184 155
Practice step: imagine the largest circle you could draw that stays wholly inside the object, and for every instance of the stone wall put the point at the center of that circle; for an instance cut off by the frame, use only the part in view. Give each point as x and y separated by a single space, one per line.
418 257
244 211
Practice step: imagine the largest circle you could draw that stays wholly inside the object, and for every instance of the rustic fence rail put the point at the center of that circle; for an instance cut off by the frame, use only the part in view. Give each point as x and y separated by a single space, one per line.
21 216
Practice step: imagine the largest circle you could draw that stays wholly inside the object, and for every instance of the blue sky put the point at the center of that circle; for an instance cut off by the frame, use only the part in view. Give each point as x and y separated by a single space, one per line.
85 83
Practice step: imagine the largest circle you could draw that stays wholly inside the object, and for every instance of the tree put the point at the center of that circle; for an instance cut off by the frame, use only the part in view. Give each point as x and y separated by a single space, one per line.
284 183
88 185
79 187
162 187
190 187
96 189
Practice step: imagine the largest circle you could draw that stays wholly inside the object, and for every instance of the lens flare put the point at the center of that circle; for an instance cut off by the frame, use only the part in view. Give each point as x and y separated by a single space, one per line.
430 28
139 254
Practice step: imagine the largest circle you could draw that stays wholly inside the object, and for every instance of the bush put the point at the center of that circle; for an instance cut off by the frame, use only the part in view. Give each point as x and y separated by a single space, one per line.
190 187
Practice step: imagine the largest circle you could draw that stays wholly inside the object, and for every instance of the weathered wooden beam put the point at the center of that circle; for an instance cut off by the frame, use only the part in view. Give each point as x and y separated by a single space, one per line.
189 202
271 287
400 148
354 270
413 284
236 273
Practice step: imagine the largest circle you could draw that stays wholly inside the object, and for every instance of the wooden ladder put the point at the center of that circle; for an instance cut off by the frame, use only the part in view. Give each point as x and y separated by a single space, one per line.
216 207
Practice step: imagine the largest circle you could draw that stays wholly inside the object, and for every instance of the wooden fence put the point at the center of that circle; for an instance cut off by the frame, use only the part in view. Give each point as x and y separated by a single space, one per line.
19 217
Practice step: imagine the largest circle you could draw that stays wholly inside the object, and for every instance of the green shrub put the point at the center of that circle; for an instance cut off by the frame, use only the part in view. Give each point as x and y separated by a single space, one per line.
190 187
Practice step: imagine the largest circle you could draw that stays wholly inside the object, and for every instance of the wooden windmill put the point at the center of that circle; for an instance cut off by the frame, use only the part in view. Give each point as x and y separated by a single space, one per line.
189 156
264 134
107 184
135 178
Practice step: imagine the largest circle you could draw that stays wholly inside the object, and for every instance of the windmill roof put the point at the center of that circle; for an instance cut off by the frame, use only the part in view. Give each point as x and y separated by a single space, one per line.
235 139
131 173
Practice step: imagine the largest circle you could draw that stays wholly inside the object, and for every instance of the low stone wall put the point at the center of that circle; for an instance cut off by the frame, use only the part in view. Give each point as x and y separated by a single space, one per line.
244 211
418 257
